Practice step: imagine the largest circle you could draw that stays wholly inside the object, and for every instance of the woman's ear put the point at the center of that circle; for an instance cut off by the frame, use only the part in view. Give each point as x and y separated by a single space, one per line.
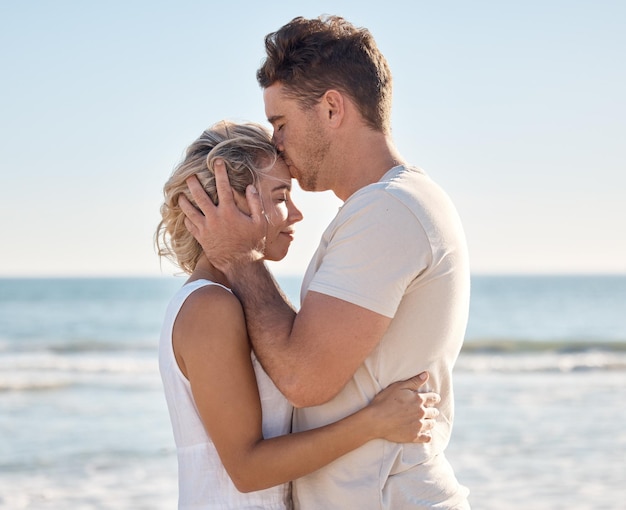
241 202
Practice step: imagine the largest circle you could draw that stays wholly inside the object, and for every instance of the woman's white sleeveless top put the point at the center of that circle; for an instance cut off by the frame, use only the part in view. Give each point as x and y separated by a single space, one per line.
202 480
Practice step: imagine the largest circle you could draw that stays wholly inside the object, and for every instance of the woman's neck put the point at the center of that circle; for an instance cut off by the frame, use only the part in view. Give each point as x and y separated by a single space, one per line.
206 271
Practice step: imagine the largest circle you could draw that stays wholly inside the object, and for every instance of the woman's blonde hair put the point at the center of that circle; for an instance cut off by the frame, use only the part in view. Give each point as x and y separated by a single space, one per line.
247 151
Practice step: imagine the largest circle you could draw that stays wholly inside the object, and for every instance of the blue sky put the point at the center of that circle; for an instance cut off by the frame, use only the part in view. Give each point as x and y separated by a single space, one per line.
516 108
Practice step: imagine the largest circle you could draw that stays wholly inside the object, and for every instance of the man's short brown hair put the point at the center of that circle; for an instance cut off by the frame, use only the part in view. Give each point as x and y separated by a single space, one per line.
310 56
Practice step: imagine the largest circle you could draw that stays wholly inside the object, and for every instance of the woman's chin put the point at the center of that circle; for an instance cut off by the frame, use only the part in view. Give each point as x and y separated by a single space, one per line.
276 255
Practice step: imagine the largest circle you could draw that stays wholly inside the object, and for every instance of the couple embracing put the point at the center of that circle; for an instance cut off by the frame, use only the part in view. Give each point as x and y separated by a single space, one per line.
346 403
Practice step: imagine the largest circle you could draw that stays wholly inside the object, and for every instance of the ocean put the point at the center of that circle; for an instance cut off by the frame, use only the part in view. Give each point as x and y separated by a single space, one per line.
540 388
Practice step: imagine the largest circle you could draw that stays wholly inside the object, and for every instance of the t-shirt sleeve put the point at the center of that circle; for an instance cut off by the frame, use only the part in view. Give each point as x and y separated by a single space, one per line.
376 248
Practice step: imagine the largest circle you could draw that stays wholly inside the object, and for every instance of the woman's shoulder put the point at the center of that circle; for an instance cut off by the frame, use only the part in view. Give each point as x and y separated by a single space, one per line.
210 302
211 312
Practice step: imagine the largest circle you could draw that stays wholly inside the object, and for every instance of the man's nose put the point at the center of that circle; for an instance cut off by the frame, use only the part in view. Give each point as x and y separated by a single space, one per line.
278 143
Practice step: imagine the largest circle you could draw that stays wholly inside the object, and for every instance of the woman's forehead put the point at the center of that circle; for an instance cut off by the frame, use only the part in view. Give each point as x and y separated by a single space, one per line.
279 170
277 177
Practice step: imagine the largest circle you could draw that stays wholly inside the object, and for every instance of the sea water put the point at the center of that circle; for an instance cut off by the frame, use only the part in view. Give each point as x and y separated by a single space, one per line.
540 391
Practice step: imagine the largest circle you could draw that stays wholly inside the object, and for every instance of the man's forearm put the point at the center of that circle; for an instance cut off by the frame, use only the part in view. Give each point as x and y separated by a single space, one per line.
269 317
310 355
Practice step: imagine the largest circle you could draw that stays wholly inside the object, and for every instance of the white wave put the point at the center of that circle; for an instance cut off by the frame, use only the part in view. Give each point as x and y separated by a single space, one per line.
83 363
29 381
44 371
541 362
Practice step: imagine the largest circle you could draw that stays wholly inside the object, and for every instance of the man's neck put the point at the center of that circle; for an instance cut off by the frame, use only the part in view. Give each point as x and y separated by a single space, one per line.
371 157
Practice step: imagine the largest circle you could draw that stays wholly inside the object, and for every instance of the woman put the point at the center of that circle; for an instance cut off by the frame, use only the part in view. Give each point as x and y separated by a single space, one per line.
231 424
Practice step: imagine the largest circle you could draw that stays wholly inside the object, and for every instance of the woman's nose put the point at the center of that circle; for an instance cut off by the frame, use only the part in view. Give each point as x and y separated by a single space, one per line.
295 214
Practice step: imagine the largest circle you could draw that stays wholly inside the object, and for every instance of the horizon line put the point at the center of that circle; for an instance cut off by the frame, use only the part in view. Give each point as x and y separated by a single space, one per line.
137 276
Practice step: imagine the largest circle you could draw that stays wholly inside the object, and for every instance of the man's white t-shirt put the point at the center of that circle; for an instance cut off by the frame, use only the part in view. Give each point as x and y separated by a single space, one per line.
396 247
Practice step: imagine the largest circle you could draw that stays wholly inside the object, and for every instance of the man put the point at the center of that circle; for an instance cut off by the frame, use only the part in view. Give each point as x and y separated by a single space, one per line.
386 294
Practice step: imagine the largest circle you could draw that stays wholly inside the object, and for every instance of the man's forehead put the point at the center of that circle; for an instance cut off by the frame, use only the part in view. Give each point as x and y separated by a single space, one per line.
275 100
274 91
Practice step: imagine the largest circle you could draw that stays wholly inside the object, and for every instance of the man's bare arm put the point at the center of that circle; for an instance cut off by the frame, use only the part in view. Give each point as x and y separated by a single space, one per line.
309 356
312 355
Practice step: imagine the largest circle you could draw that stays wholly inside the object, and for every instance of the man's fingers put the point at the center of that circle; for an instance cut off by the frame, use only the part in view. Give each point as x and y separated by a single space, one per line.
192 228
224 190
199 195
189 209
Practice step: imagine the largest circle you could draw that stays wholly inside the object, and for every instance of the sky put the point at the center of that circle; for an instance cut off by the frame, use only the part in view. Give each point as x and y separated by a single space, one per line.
517 109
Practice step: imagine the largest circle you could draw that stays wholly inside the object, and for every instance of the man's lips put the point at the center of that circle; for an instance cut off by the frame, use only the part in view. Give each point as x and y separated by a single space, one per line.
290 166
291 169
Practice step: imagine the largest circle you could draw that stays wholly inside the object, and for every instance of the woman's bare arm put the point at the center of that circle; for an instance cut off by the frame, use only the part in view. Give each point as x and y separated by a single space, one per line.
212 349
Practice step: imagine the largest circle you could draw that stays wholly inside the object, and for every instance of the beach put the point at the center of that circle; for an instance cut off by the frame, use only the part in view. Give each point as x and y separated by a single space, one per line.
539 387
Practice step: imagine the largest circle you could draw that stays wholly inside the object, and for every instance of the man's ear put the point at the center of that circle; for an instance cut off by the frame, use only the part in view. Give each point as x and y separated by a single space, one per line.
333 107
